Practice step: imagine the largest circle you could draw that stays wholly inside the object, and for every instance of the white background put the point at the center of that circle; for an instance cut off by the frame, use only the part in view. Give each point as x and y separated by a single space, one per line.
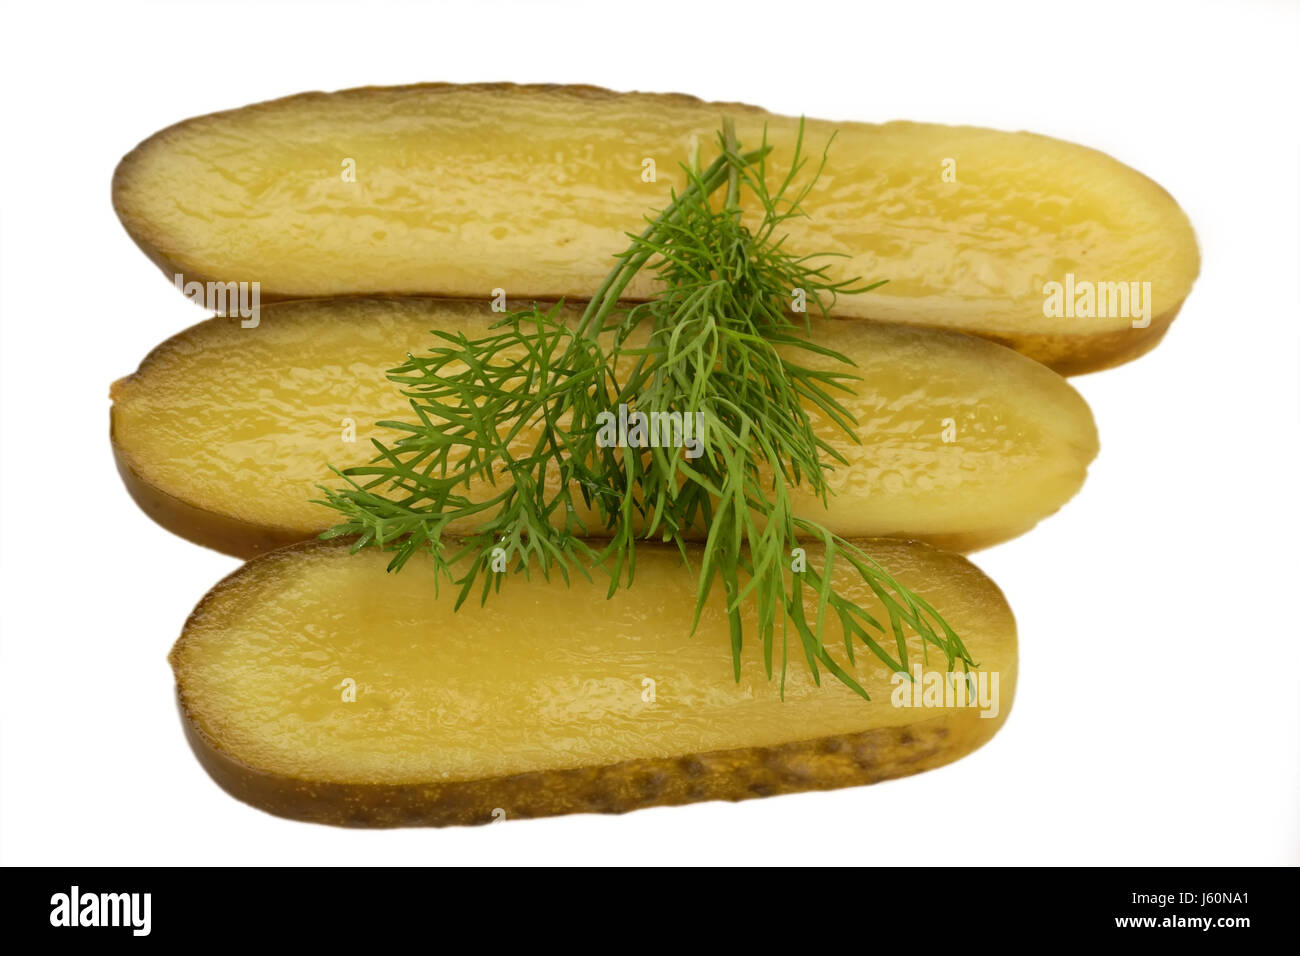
1156 720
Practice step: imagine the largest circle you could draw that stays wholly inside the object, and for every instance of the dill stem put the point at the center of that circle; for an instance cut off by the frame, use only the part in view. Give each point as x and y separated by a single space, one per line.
730 146
723 169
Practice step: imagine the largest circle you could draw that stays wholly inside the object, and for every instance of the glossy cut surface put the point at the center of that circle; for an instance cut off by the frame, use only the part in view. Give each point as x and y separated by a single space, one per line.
224 433
553 686
460 190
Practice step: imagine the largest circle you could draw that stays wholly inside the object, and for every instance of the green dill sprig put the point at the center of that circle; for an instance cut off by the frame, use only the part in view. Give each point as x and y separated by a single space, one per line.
521 410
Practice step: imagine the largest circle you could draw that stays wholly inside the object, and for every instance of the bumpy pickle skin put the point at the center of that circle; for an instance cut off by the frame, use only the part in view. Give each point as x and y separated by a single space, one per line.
225 432
489 712
459 190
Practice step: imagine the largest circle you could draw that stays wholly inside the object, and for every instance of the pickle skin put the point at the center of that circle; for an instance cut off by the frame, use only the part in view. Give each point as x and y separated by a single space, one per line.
827 763
208 529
